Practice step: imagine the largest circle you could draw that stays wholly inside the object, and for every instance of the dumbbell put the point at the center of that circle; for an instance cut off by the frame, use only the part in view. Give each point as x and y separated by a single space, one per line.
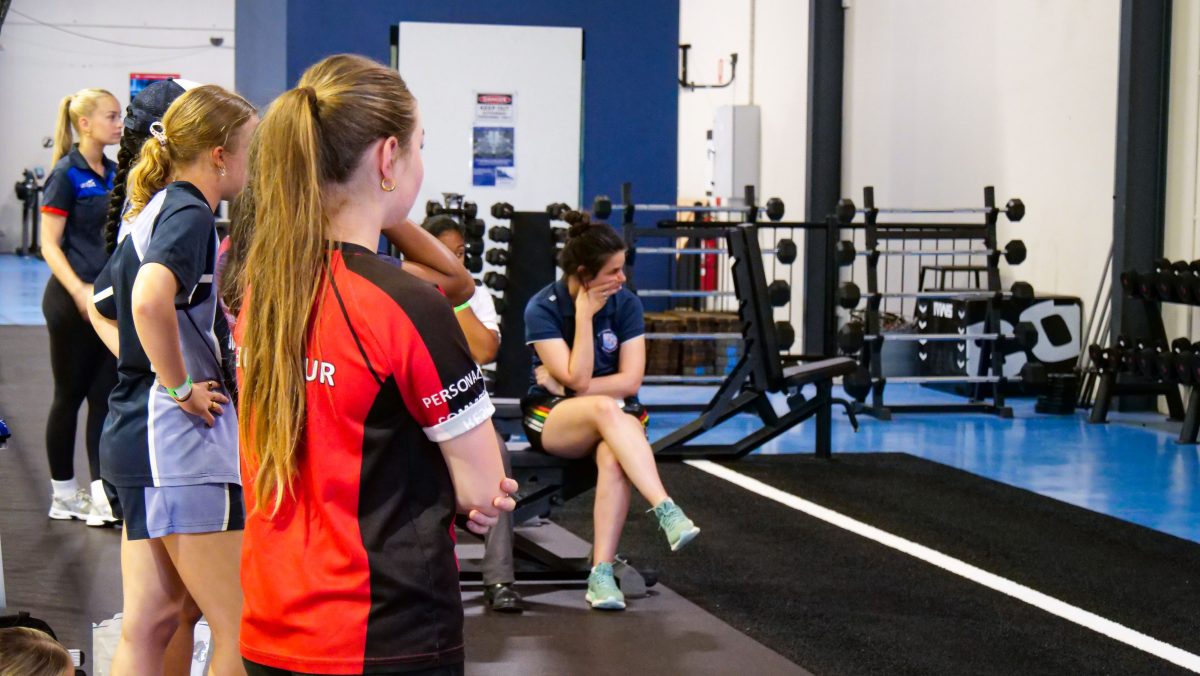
434 208
469 210
555 210
1105 358
850 337
849 295
495 280
844 253
1148 281
474 227
1131 283
785 335
1022 290
1186 361
1014 252
1168 362
500 304
1169 280
473 247
499 233
497 257
602 207
502 210
775 209
785 251
1187 286
779 293
858 384
474 264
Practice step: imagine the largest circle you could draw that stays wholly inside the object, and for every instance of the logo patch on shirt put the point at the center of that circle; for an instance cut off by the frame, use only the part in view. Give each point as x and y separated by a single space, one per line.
90 183
608 341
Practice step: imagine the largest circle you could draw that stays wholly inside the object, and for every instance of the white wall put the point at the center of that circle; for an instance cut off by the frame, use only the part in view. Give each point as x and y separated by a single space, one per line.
773 74
40 64
1181 241
943 97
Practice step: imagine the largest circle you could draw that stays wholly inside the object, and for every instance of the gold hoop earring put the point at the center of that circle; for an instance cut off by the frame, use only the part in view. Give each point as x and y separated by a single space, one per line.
384 186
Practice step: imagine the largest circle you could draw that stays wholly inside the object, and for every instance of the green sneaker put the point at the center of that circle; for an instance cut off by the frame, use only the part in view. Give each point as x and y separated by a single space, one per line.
603 592
679 529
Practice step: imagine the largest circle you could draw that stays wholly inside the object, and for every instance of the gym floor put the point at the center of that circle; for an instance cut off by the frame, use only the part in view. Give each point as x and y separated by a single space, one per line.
944 544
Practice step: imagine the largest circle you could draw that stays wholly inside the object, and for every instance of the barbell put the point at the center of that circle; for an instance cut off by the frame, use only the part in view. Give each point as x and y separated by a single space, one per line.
846 210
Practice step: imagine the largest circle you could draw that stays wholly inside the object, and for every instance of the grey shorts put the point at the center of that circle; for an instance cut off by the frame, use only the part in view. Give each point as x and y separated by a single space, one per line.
155 511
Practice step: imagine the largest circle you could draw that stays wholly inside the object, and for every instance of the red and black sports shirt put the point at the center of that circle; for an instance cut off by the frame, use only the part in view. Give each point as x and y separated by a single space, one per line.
357 572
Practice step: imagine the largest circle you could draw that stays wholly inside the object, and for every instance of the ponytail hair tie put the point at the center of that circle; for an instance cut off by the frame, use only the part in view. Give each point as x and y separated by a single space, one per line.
159 132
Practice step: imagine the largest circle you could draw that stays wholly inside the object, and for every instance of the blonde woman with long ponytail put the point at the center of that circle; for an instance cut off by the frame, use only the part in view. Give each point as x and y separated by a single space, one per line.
73 214
170 448
366 425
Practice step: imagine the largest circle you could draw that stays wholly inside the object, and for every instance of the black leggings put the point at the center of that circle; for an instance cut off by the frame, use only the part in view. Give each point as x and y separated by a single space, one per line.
83 368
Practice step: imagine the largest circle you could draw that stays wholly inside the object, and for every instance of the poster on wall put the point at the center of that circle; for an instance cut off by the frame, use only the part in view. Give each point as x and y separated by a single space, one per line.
139 81
493 157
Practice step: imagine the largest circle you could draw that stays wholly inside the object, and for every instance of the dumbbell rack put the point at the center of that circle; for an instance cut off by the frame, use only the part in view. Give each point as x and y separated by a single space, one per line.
1147 293
870 355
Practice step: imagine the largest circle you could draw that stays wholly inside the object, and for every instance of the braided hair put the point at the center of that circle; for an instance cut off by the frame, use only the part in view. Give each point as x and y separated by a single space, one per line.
145 109
588 247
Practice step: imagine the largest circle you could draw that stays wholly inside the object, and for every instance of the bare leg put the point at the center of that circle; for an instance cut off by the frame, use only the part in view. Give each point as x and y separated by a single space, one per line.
612 504
178 658
575 426
208 564
153 597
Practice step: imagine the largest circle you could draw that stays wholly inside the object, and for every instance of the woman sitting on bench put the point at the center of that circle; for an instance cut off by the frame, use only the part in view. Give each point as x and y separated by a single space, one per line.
589 357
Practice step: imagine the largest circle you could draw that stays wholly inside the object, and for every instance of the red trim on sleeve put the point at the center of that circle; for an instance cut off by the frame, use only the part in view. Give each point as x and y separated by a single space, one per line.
47 209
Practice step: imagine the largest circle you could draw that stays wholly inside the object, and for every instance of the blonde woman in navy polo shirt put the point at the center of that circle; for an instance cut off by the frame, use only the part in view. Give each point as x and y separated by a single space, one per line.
73 215
589 357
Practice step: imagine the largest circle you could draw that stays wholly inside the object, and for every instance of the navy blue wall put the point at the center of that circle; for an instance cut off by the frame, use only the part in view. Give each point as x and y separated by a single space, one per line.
630 91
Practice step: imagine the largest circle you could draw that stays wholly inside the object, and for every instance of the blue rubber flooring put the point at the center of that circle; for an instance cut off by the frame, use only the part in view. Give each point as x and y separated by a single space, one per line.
1131 469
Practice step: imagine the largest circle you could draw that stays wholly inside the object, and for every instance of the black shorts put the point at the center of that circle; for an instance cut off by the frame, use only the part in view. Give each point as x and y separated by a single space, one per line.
154 511
256 669
536 408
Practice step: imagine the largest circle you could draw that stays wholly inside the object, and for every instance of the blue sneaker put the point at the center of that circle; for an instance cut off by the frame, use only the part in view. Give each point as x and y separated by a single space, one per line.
679 529
603 592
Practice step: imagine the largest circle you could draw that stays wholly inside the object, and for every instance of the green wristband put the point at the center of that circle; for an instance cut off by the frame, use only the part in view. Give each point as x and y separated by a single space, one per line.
460 308
185 388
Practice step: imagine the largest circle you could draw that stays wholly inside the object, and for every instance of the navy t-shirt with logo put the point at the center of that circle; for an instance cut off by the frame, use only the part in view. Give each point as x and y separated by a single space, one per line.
550 315
80 195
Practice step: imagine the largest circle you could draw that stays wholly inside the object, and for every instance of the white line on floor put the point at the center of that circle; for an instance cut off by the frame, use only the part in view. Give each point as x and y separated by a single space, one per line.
1018 591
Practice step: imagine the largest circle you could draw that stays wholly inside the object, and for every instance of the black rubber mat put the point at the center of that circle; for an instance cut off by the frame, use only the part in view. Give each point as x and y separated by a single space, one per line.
837 603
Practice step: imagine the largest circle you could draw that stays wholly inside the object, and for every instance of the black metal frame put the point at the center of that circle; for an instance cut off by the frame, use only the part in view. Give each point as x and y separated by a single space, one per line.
871 353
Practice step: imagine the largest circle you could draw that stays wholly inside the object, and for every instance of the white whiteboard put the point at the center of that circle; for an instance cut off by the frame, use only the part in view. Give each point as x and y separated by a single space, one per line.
446 65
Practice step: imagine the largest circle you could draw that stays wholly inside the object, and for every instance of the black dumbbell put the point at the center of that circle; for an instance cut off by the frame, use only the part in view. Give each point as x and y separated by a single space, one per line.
602 207
850 337
1104 358
858 384
844 253
1015 209
497 257
775 209
474 264
473 247
495 280
1148 281
469 210
1130 282
779 293
502 210
849 295
474 228
433 208
500 304
1022 290
1187 287
499 233
1169 279
555 210
1014 252
785 335
845 210
785 251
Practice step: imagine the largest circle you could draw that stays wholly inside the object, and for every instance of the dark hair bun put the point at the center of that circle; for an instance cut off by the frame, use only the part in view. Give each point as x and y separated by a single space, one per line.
580 222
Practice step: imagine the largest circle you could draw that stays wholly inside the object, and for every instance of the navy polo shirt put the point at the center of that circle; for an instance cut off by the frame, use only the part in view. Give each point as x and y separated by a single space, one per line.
550 315
76 192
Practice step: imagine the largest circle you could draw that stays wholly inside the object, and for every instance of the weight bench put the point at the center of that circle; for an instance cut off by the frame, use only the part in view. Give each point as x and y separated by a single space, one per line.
542 550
